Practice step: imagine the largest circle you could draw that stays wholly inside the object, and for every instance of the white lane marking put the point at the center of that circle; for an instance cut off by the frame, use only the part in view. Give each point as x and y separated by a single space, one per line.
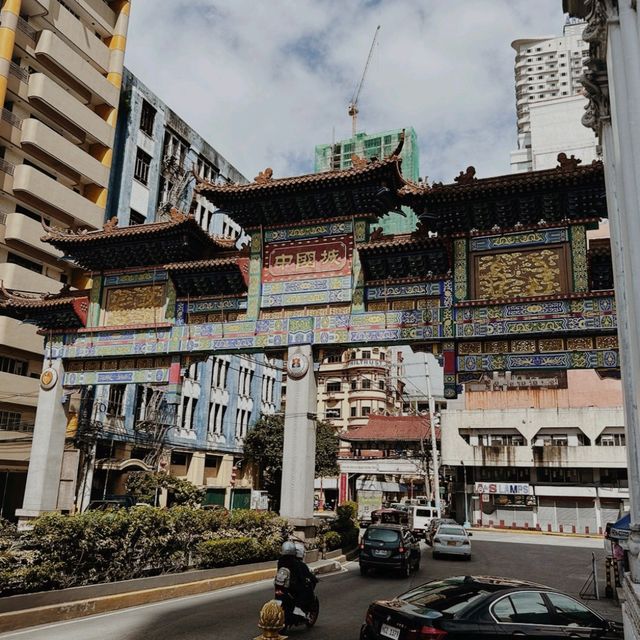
249 587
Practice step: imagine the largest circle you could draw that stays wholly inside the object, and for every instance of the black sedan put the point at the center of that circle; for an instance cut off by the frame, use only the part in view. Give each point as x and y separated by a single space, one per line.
484 607
389 546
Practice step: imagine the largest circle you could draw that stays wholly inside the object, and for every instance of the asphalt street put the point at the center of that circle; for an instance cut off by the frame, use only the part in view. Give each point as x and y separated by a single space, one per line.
232 614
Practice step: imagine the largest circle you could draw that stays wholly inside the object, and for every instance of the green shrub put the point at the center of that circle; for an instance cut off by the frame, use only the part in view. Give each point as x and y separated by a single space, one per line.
230 552
332 540
106 546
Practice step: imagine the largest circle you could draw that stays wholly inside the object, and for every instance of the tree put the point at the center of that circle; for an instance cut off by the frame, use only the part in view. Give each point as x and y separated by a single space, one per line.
143 486
263 448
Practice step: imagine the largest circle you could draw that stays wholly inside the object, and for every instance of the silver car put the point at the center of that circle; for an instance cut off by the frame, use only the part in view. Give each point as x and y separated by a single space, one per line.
452 539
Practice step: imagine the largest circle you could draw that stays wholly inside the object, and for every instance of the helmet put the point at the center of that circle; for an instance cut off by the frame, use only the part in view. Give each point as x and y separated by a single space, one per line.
299 550
288 548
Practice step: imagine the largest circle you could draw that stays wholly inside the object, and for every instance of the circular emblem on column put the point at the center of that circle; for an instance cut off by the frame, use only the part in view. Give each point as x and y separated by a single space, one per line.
48 379
297 365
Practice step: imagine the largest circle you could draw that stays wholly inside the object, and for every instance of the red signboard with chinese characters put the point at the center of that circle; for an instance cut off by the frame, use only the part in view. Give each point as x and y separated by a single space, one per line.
308 259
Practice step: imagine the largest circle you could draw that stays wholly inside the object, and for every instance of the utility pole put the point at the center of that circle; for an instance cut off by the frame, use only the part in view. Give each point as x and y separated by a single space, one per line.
434 442
466 524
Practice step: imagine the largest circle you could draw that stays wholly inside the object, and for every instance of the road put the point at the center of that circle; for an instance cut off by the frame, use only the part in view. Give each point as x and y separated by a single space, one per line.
232 614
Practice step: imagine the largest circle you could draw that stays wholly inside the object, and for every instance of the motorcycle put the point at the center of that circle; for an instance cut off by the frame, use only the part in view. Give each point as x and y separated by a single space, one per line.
294 615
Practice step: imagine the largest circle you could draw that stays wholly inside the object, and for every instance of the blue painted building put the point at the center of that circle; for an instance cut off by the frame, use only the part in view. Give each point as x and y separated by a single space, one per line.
199 434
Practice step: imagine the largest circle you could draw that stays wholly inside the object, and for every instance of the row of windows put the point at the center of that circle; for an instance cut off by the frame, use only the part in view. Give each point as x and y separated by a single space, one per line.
14 366
336 413
557 440
365 383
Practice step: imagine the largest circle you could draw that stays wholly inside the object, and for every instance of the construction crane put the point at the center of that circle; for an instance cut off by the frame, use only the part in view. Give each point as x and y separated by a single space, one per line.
353 105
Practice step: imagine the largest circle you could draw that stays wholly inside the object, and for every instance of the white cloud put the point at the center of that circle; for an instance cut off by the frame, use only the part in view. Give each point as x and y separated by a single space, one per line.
264 82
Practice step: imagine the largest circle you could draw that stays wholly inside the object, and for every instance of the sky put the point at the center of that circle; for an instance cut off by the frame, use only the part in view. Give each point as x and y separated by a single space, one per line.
265 81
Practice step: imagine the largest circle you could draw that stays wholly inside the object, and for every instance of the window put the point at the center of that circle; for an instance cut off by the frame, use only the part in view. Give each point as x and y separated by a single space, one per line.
13 258
210 462
611 440
10 421
333 387
178 459
354 412
332 414
366 411
136 218
175 148
354 385
366 383
333 357
381 385
115 404
526 608
12 365
141 170
568 612
147 118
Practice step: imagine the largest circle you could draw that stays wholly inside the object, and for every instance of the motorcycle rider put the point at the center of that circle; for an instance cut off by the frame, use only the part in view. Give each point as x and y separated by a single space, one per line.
301 579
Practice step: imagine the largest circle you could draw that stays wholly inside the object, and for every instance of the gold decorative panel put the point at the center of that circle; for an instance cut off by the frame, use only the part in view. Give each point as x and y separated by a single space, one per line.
523 346
427 303
402 305
551 345
135 305
520 274
579 344
469 348
496 346
607 342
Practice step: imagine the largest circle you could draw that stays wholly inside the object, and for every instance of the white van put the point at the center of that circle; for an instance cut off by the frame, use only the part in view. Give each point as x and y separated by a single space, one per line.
420 517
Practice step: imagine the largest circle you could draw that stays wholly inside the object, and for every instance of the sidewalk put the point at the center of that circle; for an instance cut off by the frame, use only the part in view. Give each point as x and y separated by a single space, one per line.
28 610
539 532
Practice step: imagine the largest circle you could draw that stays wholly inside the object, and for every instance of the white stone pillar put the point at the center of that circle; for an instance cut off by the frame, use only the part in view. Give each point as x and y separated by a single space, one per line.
47 448
299 455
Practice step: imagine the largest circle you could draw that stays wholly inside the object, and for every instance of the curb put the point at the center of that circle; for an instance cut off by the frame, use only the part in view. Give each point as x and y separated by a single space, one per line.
14 620
538 532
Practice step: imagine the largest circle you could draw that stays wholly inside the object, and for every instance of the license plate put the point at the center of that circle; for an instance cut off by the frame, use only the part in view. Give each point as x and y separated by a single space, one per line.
381 553
452 543
389 632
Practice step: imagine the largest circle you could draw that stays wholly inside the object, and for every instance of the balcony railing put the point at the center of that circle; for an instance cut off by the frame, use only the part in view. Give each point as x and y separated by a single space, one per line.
27 29
11 118
19 72
6 167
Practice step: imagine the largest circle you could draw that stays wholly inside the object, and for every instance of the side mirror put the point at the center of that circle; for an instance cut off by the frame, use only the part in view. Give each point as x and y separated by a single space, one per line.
470 534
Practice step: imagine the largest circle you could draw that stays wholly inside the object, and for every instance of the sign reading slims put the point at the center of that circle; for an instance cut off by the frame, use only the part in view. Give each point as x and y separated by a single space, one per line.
308 259
504 488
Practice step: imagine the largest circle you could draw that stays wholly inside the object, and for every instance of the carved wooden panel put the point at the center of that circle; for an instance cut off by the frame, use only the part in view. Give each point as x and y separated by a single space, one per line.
134 305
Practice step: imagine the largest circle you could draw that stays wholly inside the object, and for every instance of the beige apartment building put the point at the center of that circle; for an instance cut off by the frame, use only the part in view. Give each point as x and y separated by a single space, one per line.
60 76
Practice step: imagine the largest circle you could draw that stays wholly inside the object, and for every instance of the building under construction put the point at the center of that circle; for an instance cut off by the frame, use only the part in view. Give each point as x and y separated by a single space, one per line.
336 156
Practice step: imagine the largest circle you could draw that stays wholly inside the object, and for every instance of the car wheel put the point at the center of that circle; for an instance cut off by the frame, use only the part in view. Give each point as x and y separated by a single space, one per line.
363 570
468 557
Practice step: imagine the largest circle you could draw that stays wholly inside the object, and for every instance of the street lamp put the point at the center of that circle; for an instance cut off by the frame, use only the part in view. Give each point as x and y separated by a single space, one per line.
466 524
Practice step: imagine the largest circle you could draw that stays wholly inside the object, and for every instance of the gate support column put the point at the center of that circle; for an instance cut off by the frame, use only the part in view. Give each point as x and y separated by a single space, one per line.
47 449
299 456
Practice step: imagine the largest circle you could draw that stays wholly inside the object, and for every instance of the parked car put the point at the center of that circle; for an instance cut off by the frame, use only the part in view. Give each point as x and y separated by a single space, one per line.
452 539
472 607
433 527
389 546
419 519
112 502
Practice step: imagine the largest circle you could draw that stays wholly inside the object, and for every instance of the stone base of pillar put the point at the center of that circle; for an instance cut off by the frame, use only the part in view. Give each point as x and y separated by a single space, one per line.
304 528
27 516
631 609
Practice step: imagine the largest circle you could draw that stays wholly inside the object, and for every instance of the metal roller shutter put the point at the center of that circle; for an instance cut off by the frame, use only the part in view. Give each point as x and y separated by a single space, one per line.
523 517
547 514
586 511
504 513
566 513
610 511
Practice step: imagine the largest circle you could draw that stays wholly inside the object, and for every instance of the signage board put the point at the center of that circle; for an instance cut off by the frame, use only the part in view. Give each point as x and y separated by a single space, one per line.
504 488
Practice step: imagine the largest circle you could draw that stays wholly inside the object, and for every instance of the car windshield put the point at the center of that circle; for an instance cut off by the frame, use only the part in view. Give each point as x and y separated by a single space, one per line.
382 535
451 531
448 597
423 513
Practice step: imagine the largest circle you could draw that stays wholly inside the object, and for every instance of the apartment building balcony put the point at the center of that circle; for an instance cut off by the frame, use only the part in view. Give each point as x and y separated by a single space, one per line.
52 197
19 389
98 13
17 335
53 53
51 148
22 230
62 108
14 276
76 33
368 363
